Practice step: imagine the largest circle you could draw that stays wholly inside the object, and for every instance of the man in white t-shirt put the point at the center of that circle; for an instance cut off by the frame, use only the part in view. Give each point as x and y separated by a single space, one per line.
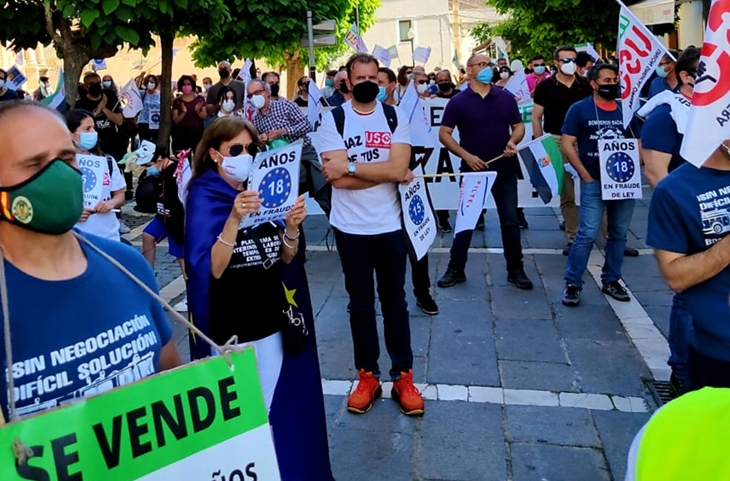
366 149
103 220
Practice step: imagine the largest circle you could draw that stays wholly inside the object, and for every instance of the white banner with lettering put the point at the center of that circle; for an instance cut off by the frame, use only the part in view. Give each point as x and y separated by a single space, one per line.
419 220
93 169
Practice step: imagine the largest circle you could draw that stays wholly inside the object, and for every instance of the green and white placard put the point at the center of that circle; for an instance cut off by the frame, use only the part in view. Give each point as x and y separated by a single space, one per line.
206 421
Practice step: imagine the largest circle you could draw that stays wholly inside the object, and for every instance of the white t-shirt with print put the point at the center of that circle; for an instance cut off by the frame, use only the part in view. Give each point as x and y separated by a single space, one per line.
106 225
367 138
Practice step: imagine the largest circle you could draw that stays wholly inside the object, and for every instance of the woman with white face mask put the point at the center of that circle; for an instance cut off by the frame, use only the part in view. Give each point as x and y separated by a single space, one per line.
149 118
100 220
227 102
505 75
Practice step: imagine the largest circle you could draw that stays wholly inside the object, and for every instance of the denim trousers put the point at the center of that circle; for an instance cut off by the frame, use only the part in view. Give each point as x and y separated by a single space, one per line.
504 192
592 207
384 255
680 329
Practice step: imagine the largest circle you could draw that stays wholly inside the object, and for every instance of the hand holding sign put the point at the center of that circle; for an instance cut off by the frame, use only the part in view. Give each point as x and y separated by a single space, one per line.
296 215
247 202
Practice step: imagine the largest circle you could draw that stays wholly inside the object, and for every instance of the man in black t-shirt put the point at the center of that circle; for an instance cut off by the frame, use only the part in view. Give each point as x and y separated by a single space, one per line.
446 86
107 111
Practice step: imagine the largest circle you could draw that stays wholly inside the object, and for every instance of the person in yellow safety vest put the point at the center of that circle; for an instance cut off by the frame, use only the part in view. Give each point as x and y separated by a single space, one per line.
686 440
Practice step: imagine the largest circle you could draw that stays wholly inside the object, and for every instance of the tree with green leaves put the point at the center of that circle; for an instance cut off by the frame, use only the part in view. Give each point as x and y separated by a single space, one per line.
272 29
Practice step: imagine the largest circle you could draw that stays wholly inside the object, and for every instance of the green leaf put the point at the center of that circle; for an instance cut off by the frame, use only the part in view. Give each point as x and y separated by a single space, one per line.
131 3
88 17
69 10
181 4
125 13
109 6
127 34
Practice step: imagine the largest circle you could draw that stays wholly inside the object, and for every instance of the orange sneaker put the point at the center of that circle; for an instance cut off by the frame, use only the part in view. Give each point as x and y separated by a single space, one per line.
406 394
367 391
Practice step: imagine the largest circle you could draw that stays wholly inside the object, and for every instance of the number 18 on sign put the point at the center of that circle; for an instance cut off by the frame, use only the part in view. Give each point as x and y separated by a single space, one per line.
620 169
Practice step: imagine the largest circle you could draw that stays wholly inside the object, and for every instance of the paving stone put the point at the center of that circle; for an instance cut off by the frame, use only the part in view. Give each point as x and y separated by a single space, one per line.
527 397
452 393
532 462
512 303
498 275
599 402
334 341
617 431
461 442
541 376
551 425
481 394
334 407
660 317
544 239
655 298
520 340
601 325
630 404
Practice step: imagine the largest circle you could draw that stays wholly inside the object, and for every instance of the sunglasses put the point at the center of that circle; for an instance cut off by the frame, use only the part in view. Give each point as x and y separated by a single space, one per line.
538 65
408 72
568 60
421 82
237 149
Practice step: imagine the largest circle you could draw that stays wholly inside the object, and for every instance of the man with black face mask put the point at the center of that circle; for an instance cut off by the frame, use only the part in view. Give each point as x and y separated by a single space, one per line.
342 90
366 151
224 71
447 89
104 105
589 120
273 80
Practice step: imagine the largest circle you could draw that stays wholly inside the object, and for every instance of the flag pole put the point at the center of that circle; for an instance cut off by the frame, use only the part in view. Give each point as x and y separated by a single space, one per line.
457 174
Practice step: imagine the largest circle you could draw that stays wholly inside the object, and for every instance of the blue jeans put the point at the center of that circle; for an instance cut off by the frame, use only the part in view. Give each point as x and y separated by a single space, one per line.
385 255
680 329
619 214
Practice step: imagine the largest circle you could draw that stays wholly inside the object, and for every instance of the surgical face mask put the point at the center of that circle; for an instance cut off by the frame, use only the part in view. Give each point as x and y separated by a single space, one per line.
661 72
609 92
153 171
107 84
95 89
568 68
50 202
238 168
382 94
206 86
485 75
151 85
258 101
344 88
87 140
228 105
504 75
421 88
329 82
187 89
540 69
2 83
275 90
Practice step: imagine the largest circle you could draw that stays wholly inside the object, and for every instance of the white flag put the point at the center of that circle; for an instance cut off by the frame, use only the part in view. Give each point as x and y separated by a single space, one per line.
588 48
639 53
183 174
475 188
354 40
131 100
245 72
414 109
518 86
421 54
501 48
57 100
383 55
393 51
709 117
314 106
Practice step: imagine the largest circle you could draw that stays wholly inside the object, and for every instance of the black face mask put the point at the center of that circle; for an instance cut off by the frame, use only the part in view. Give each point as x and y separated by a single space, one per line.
609 92
95 90
224 73
344 88
275 90
446 87
365 92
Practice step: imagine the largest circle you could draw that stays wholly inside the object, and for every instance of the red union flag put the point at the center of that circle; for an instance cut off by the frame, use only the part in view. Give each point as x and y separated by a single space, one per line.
709 117
639 53
354 40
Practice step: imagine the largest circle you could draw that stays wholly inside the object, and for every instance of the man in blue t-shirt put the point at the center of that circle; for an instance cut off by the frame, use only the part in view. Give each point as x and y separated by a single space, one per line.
78 325
588 121
661 140
689 222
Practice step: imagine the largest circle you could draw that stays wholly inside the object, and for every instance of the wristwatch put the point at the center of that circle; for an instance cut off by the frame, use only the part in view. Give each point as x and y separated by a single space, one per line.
351 168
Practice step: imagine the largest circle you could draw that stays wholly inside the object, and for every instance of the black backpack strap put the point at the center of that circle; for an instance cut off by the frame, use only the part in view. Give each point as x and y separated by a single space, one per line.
338 113
391 117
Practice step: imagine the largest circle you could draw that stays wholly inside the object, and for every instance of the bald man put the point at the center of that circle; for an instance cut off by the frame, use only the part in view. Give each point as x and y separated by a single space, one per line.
224 71
342 91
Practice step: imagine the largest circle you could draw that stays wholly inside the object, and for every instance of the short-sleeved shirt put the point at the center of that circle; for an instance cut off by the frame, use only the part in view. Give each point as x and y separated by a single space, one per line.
660 133
657 86
689 213
590 123
484 124
556 98
533 80
109 139
336 99
150 113
236 85
284 114
106 225
191 120
261 314
367 139
170 210
82 336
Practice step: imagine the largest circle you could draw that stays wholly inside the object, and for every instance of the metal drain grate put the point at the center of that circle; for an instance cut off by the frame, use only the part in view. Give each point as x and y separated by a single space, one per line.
662 391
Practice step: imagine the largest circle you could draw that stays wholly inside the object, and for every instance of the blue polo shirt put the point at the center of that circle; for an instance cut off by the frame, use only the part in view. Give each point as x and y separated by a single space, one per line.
484 124
660 133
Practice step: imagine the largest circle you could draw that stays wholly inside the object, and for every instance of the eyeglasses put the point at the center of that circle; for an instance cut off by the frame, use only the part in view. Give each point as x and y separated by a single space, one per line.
237 149
480 65
304 85
256 92
568 60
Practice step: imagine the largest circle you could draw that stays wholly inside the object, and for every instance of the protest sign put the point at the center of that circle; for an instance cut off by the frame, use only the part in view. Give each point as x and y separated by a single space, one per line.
275 175
204 421
98 64
620 169
421 54
354 40
473 193
15 78
419 220
131 100
383 56
93 172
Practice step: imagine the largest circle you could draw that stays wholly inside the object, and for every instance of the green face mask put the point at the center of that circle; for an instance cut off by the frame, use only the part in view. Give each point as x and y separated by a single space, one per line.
50 202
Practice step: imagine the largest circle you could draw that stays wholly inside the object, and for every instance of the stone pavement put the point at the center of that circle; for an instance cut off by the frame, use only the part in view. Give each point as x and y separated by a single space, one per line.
518 386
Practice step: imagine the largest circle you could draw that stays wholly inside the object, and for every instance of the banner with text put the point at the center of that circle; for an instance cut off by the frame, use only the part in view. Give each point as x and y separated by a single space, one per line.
275 175
93 171
206 421
473 193
419 220
620 169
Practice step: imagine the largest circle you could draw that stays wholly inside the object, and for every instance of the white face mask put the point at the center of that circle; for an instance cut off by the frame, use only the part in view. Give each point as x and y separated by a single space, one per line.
228 105
568 68
2 83
258 101
238 168
421 88
151 86
206 86
504 75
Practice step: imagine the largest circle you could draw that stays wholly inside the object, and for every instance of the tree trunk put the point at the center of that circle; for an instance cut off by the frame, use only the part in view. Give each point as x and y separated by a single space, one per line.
74 61
167 40
294 71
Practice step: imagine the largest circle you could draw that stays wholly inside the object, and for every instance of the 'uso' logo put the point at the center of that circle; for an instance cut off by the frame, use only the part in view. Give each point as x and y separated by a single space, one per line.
378 140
